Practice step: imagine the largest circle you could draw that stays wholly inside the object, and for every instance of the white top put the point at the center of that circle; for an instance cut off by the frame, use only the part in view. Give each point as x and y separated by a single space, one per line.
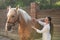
45 31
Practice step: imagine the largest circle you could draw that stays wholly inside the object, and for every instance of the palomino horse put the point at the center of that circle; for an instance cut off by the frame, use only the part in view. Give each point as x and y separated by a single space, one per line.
17 15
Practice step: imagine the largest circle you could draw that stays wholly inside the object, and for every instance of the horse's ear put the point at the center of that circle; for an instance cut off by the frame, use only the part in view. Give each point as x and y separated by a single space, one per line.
17 7
8 7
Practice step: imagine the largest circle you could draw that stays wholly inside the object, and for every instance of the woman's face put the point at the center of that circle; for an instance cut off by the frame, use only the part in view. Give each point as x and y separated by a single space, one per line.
46 20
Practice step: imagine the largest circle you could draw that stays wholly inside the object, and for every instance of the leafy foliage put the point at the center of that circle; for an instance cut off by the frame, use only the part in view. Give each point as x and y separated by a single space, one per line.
43 4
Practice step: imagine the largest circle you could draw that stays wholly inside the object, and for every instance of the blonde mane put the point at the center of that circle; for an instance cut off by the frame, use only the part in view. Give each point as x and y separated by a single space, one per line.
25 15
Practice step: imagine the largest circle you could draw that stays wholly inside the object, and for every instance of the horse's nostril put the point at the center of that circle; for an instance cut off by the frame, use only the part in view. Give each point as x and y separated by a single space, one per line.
9 28
8 22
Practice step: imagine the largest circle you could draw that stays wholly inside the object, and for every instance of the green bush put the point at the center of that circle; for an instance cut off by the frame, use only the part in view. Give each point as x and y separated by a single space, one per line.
43 4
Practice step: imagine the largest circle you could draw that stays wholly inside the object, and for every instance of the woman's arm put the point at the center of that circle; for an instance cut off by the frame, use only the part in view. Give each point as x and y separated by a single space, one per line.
40 31
40 21
37 30
43 30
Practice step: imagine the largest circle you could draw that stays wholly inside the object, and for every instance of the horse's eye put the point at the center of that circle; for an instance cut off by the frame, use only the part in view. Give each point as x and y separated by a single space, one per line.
13 16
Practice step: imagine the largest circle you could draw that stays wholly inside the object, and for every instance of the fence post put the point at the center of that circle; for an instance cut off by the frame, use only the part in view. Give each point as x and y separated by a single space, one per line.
33 11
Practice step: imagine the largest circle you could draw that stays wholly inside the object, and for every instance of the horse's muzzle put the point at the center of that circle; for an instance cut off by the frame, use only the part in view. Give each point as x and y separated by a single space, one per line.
8 26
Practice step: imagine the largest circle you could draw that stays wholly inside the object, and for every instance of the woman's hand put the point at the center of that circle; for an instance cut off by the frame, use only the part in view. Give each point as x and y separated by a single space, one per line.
34 28
33 19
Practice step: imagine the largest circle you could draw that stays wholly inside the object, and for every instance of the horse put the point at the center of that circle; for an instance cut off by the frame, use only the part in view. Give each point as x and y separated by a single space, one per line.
18 15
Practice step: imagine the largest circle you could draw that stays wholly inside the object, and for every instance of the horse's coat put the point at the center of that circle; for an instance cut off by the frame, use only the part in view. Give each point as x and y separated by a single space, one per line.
24 20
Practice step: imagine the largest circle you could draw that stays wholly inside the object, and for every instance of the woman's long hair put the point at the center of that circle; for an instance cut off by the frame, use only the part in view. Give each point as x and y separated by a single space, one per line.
51 26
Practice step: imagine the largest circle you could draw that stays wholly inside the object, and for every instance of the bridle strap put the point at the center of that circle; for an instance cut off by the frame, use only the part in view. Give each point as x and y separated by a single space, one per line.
16 20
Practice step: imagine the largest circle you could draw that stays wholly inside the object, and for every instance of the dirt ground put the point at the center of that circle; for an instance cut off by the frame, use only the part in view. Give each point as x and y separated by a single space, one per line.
4 38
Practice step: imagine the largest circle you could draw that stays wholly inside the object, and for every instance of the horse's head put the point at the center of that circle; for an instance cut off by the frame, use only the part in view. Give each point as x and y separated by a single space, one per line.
12 17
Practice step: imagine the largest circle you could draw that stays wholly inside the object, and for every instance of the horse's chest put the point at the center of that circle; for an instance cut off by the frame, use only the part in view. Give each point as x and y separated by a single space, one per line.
24 30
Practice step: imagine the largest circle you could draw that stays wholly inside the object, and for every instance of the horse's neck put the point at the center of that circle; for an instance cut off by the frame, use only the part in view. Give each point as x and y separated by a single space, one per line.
25 15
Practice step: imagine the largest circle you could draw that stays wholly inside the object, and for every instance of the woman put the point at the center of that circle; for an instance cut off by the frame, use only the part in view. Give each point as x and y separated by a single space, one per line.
46 35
